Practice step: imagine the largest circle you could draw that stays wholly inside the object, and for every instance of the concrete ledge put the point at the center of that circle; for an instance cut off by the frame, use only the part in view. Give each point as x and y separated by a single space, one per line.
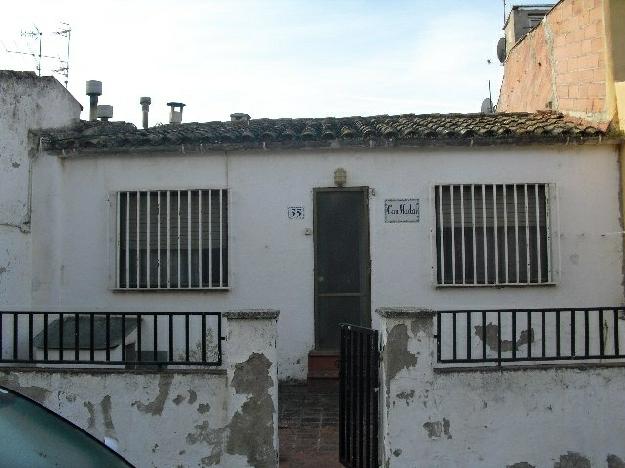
405 312
107 370
252 314
527 367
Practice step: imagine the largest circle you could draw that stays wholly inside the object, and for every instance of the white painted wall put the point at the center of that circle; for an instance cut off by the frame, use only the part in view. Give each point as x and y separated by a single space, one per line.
555 416
271 260
27 102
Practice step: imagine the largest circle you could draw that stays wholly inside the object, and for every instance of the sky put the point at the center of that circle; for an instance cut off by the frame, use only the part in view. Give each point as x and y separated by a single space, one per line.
267 58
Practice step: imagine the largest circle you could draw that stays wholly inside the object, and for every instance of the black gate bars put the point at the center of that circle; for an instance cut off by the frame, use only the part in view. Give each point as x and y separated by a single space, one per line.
358 397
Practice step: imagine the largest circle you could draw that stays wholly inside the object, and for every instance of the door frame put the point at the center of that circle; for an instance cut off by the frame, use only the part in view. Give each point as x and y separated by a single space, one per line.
365 263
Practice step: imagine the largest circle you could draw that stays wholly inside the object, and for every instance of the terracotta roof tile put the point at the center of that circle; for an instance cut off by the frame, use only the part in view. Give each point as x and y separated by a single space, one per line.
407 130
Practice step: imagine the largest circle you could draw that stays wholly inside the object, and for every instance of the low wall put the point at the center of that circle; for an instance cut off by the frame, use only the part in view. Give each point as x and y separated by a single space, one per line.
516 417
176 417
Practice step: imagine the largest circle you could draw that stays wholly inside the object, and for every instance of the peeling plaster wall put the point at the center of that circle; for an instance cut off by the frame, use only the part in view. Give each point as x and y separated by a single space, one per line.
552 417
27 102
271 258
196 417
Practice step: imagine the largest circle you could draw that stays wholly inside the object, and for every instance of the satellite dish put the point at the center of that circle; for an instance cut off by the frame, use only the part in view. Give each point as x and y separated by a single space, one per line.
501 49
487 106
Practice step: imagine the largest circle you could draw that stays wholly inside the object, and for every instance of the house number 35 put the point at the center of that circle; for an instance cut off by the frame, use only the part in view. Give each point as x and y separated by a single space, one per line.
296 212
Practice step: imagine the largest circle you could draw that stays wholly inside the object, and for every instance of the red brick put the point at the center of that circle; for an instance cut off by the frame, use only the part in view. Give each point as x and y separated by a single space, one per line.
596 90
589 61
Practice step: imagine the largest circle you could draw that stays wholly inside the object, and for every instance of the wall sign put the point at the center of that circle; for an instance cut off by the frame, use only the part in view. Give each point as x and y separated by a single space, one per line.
401 210
295 212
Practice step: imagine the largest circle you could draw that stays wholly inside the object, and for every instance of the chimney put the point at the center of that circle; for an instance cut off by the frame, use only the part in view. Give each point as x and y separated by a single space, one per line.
175 117
145 107
105 113
94 89
240 118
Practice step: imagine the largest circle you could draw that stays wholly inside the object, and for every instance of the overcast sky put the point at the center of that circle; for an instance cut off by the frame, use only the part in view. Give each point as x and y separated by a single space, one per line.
268 58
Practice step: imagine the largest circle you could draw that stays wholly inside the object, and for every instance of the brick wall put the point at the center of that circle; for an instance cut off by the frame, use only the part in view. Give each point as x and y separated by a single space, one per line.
560 64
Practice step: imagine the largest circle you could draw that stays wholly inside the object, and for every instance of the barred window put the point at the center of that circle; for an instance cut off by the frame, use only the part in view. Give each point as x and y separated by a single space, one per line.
172 239
495 234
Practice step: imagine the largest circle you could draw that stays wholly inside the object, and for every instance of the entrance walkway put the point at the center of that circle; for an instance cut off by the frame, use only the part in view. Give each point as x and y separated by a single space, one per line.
308 425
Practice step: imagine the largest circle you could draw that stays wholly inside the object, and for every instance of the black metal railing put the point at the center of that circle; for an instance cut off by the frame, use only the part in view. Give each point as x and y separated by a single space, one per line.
512 335
111 338
358 397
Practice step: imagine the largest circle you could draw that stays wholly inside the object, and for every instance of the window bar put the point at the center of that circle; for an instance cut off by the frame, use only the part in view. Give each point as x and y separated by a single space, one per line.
516 232
453 327
155 338
453 236
45 336
548 229
118 240
361 395
189 282
485 236
186 334
15 322
61 344
530 334
199 212
474 242
219 339
108 337
168 239
375 409
138 243
601 344
203 337
586 333
463 251
138 338
513 335
538 233
557 333
438 335
542 332
210 238
483 335
30 336
495 234
221 240
469 335
572 333
1 331
158 238
616 335
368 398
498 337
178 275
91 338
171 337
441 225
505 230
147 245
127 239
528 275
123 317
76 337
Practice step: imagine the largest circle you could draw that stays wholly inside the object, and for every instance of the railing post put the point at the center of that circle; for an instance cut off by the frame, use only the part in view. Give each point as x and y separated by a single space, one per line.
250 359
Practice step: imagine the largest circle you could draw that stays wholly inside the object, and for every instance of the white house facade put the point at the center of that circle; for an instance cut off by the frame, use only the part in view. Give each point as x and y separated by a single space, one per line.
278 226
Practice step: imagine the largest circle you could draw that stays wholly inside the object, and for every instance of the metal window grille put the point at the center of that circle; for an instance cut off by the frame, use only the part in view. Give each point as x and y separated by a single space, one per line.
493 234
172 239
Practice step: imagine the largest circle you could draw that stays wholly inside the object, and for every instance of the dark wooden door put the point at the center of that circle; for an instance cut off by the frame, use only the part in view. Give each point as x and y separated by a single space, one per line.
342 267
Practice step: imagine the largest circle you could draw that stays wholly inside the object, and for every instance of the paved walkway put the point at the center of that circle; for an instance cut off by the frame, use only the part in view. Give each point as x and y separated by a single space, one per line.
308 425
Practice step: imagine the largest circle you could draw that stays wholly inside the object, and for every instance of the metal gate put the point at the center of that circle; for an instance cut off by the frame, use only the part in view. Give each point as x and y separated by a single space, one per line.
358 398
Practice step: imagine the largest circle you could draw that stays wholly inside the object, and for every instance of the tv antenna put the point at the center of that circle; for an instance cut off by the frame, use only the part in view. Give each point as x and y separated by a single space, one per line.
36 34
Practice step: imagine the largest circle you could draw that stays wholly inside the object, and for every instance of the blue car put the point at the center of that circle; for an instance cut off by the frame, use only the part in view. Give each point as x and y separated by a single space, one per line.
33 436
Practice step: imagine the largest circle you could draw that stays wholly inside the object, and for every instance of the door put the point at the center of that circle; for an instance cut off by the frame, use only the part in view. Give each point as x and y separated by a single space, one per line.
342 267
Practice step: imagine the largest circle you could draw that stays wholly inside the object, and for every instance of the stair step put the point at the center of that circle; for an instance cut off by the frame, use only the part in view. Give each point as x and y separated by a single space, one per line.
323 365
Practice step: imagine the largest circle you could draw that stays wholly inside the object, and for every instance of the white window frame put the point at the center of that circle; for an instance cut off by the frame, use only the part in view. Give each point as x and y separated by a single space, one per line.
552 227
115 253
